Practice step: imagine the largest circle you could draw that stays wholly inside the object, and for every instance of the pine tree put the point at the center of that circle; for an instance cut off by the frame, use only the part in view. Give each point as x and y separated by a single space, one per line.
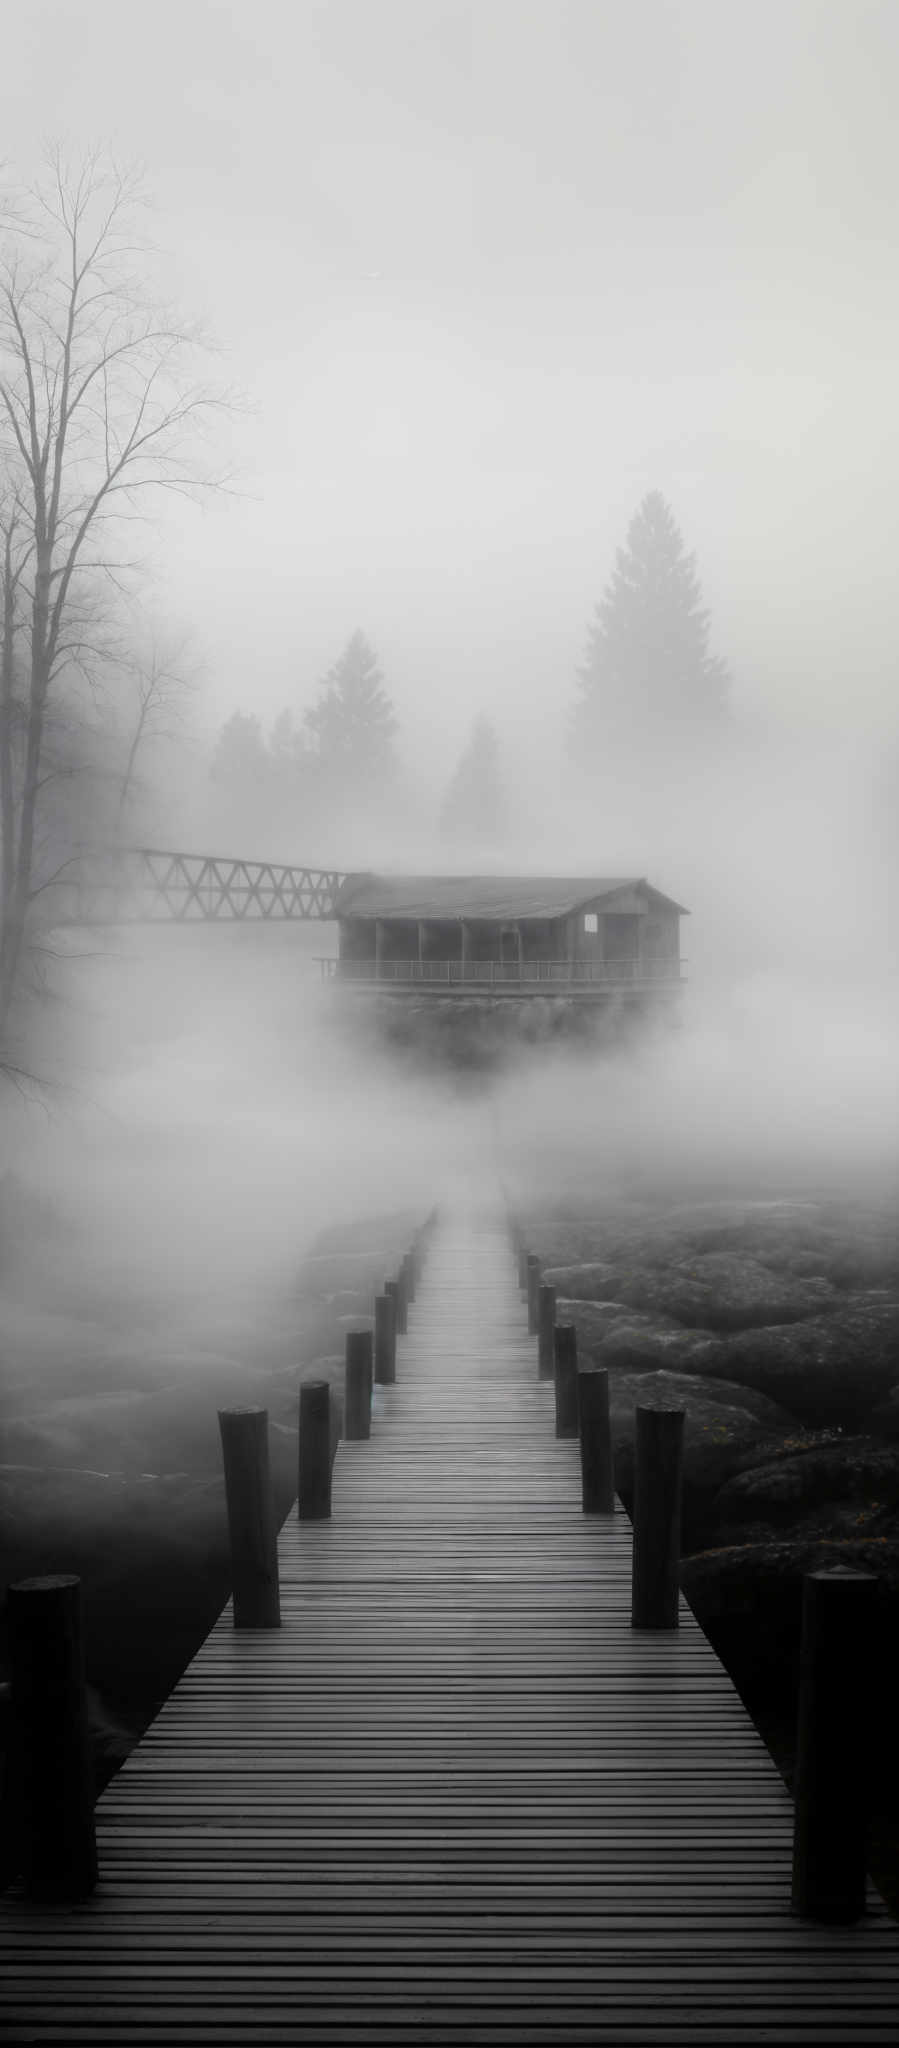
472 810
648 676
352 725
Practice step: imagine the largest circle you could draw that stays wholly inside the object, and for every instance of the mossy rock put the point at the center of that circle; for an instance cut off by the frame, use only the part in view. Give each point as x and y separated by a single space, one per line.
854 1470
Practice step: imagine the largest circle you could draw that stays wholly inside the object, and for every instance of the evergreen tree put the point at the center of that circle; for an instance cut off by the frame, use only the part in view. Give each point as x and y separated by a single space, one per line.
472 810
352 725
648 676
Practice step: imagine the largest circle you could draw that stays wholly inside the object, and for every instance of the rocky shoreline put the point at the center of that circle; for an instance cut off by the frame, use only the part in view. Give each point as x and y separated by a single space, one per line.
775 1325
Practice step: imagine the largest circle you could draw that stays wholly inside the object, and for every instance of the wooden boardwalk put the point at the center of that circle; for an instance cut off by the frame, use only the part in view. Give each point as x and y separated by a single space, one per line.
455 1798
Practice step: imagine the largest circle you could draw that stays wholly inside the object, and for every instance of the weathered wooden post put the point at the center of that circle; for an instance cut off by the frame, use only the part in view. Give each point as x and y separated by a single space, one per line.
831 1793
395 1288
533 1284
565 1375
250 1506
658 1470
594 1429
522 1268
407 1271
358 1385
402 1301
51 1775
385 1338
546 1324
314 1468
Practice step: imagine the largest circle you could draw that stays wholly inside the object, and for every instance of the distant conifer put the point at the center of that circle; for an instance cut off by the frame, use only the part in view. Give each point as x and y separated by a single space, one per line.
352 724
648 676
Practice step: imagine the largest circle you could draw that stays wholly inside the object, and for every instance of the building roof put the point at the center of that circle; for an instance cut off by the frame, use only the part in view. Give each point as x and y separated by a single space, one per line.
491 897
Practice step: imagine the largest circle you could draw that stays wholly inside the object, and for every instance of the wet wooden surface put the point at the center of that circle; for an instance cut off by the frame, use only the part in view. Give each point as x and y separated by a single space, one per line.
455 1798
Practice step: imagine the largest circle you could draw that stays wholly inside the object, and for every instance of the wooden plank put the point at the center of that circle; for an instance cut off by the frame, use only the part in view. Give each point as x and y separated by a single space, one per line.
455 1797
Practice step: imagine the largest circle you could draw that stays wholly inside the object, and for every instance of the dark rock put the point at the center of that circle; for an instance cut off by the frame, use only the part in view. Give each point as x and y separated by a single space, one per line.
643 1234
569 1241
829 1370
802 1240
591 1282
756 1587
850 1248
725 1291
810 1480
647 1343
594 1319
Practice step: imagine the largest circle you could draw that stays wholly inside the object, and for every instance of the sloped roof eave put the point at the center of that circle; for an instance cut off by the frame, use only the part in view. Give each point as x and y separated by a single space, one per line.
489 898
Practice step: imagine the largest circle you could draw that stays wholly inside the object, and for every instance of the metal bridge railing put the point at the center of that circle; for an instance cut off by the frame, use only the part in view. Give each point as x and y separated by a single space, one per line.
149 885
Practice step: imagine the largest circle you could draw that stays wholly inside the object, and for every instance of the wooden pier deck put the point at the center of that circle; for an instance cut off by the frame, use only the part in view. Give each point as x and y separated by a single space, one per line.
455 1798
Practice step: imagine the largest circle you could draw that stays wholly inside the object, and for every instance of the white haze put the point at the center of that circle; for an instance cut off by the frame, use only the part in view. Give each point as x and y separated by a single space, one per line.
488 274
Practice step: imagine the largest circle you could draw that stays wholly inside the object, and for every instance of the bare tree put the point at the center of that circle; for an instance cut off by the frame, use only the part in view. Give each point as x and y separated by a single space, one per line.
99 406
13 567
161 682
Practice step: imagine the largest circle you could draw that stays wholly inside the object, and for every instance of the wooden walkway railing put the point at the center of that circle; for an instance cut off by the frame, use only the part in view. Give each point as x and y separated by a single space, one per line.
581 978
455 1797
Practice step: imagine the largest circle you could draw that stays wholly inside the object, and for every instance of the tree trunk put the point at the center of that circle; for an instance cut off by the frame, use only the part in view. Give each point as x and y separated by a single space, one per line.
16 906
7 743
128 776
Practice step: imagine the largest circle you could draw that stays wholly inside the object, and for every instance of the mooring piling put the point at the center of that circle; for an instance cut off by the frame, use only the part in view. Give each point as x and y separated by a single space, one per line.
51 1775
533 1285
831 1794
658 1469
385 1337
594 1430
566 1378
407 1273
314 1460
252 1531
395 1290
546 1323
358 1377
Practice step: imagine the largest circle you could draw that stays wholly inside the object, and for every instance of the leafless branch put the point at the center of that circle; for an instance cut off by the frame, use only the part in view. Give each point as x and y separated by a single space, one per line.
100 407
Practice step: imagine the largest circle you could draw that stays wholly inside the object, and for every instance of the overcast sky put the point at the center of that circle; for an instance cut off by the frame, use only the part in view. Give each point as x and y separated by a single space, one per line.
489 272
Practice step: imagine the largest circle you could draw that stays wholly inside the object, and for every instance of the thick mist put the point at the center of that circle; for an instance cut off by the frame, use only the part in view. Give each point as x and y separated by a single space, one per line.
470 427
219 1104
484 279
